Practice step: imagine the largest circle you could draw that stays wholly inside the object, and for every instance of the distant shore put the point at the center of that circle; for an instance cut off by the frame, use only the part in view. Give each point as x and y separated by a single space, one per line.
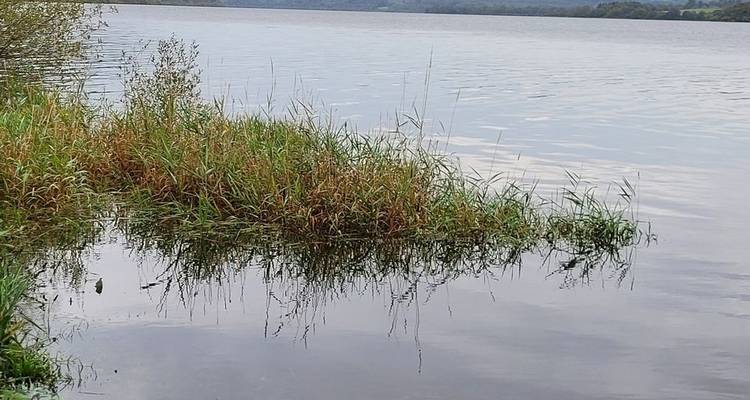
714 10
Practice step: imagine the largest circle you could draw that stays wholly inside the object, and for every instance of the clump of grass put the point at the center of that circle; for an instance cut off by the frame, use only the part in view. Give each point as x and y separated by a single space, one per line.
308 178
588 224
174 157
45 143
23 359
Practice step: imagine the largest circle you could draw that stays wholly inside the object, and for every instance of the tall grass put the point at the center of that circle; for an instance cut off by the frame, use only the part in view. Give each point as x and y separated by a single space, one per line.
170 155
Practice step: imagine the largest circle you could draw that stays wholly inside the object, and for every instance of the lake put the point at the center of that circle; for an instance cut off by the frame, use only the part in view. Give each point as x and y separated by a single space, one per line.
665 104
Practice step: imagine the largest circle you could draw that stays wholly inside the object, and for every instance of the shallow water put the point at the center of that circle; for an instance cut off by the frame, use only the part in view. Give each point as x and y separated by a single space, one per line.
665 104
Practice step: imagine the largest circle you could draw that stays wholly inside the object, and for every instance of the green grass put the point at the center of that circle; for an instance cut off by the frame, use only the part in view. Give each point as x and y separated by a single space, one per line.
23 359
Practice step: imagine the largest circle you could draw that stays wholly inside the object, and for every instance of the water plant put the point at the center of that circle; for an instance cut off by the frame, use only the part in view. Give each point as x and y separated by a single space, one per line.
168 155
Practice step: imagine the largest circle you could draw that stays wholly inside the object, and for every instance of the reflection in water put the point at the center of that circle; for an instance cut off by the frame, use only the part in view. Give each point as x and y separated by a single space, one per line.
301 279
190 271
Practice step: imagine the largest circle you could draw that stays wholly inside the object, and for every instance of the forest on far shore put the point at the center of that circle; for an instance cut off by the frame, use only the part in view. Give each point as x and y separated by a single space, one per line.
693 10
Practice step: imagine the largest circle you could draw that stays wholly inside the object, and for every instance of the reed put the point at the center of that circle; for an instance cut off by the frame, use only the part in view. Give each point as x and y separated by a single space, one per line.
169 156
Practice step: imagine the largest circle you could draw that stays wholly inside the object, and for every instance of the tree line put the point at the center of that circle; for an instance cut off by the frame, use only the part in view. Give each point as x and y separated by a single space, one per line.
695 10
692 10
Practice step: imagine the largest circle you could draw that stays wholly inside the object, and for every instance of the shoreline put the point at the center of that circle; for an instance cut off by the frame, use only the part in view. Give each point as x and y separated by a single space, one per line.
395 11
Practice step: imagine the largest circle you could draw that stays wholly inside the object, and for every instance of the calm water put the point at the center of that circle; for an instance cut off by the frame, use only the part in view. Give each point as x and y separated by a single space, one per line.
665 104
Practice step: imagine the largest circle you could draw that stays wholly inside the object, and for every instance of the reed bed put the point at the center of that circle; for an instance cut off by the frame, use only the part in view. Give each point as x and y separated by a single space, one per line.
169 156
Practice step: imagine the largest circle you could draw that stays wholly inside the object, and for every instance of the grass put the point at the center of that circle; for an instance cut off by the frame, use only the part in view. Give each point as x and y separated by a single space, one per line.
205 167
171 157
23 359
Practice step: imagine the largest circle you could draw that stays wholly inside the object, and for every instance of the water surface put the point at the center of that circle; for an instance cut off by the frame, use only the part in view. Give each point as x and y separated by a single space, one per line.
665 104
